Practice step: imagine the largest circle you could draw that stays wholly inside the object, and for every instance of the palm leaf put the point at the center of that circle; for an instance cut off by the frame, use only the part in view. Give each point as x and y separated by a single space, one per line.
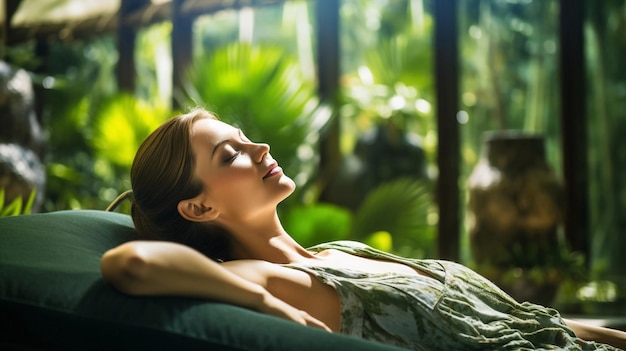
396 58
399 207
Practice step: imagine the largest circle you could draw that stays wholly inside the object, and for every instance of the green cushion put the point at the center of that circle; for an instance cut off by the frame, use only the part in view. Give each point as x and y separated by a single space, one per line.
52 296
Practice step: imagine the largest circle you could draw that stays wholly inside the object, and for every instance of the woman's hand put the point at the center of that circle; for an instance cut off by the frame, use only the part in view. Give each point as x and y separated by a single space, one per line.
273 306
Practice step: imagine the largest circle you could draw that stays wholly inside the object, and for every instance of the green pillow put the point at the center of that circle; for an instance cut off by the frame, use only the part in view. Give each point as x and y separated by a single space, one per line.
52 296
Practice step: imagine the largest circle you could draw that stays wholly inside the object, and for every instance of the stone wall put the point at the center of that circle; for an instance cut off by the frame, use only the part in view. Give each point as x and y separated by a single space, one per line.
21 138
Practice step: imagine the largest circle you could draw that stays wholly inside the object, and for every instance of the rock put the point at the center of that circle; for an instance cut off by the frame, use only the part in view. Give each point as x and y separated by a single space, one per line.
21 171
21 137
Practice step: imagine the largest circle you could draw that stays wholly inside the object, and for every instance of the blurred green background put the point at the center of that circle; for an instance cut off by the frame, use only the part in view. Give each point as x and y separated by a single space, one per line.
255 68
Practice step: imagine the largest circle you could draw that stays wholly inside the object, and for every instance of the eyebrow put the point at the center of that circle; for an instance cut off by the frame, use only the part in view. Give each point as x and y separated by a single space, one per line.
217 146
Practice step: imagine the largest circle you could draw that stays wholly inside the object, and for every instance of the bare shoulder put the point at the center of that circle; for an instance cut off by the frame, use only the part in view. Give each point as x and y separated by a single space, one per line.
265 273
295 287
255 271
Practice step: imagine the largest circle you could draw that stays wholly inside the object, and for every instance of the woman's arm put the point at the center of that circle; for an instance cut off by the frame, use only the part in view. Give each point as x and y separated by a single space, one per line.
603 335
165 268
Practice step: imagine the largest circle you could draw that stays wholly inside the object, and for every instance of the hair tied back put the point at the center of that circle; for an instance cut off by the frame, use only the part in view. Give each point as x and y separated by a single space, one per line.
127 195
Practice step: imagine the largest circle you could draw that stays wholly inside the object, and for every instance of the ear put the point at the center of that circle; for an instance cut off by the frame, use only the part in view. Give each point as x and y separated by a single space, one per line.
195 210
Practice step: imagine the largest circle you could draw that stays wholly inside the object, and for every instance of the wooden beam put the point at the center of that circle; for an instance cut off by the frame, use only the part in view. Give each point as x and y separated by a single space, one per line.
574 124
106 23
10 7
448 150
328 72
126 35
182 50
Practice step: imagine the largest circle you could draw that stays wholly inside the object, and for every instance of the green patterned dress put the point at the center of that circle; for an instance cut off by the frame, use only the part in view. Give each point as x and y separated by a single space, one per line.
450 308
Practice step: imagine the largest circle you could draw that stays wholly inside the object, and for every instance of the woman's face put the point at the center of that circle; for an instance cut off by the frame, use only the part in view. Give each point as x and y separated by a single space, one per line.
241 180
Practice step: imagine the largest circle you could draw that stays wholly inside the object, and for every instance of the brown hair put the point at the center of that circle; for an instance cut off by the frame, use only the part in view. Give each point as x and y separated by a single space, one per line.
161 176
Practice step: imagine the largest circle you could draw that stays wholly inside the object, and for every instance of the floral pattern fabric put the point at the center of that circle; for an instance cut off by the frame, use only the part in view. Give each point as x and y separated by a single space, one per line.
449 307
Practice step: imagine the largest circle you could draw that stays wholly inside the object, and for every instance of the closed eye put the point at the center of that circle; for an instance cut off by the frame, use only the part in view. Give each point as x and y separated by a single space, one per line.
232 158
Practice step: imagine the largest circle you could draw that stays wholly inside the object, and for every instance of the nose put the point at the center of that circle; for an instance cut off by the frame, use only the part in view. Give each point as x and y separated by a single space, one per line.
261 150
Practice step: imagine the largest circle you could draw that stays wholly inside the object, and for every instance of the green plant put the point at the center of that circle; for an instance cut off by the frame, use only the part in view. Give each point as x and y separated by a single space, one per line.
121 124
79 78
540 274
392 80
393 217
604 46
17 206
317 223
401 208
388 123
91 166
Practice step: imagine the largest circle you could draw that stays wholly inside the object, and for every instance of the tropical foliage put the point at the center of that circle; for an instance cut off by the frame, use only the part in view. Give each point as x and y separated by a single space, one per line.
393 217
401 208
605 46
121 124
17 206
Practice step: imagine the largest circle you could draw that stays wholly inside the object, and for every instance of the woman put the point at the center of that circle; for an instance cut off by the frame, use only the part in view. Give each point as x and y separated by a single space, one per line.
208 195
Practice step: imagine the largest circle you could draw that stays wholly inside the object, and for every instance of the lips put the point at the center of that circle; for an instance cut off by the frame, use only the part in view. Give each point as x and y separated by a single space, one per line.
273 169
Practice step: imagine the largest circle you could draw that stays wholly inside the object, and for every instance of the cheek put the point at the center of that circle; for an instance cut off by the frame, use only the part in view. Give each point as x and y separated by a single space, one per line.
233 183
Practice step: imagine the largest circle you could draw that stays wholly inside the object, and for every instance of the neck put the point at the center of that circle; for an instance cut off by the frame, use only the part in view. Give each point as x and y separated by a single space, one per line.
265 240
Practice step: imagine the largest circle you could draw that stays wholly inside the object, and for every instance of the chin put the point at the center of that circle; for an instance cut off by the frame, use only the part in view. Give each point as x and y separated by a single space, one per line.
288 184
